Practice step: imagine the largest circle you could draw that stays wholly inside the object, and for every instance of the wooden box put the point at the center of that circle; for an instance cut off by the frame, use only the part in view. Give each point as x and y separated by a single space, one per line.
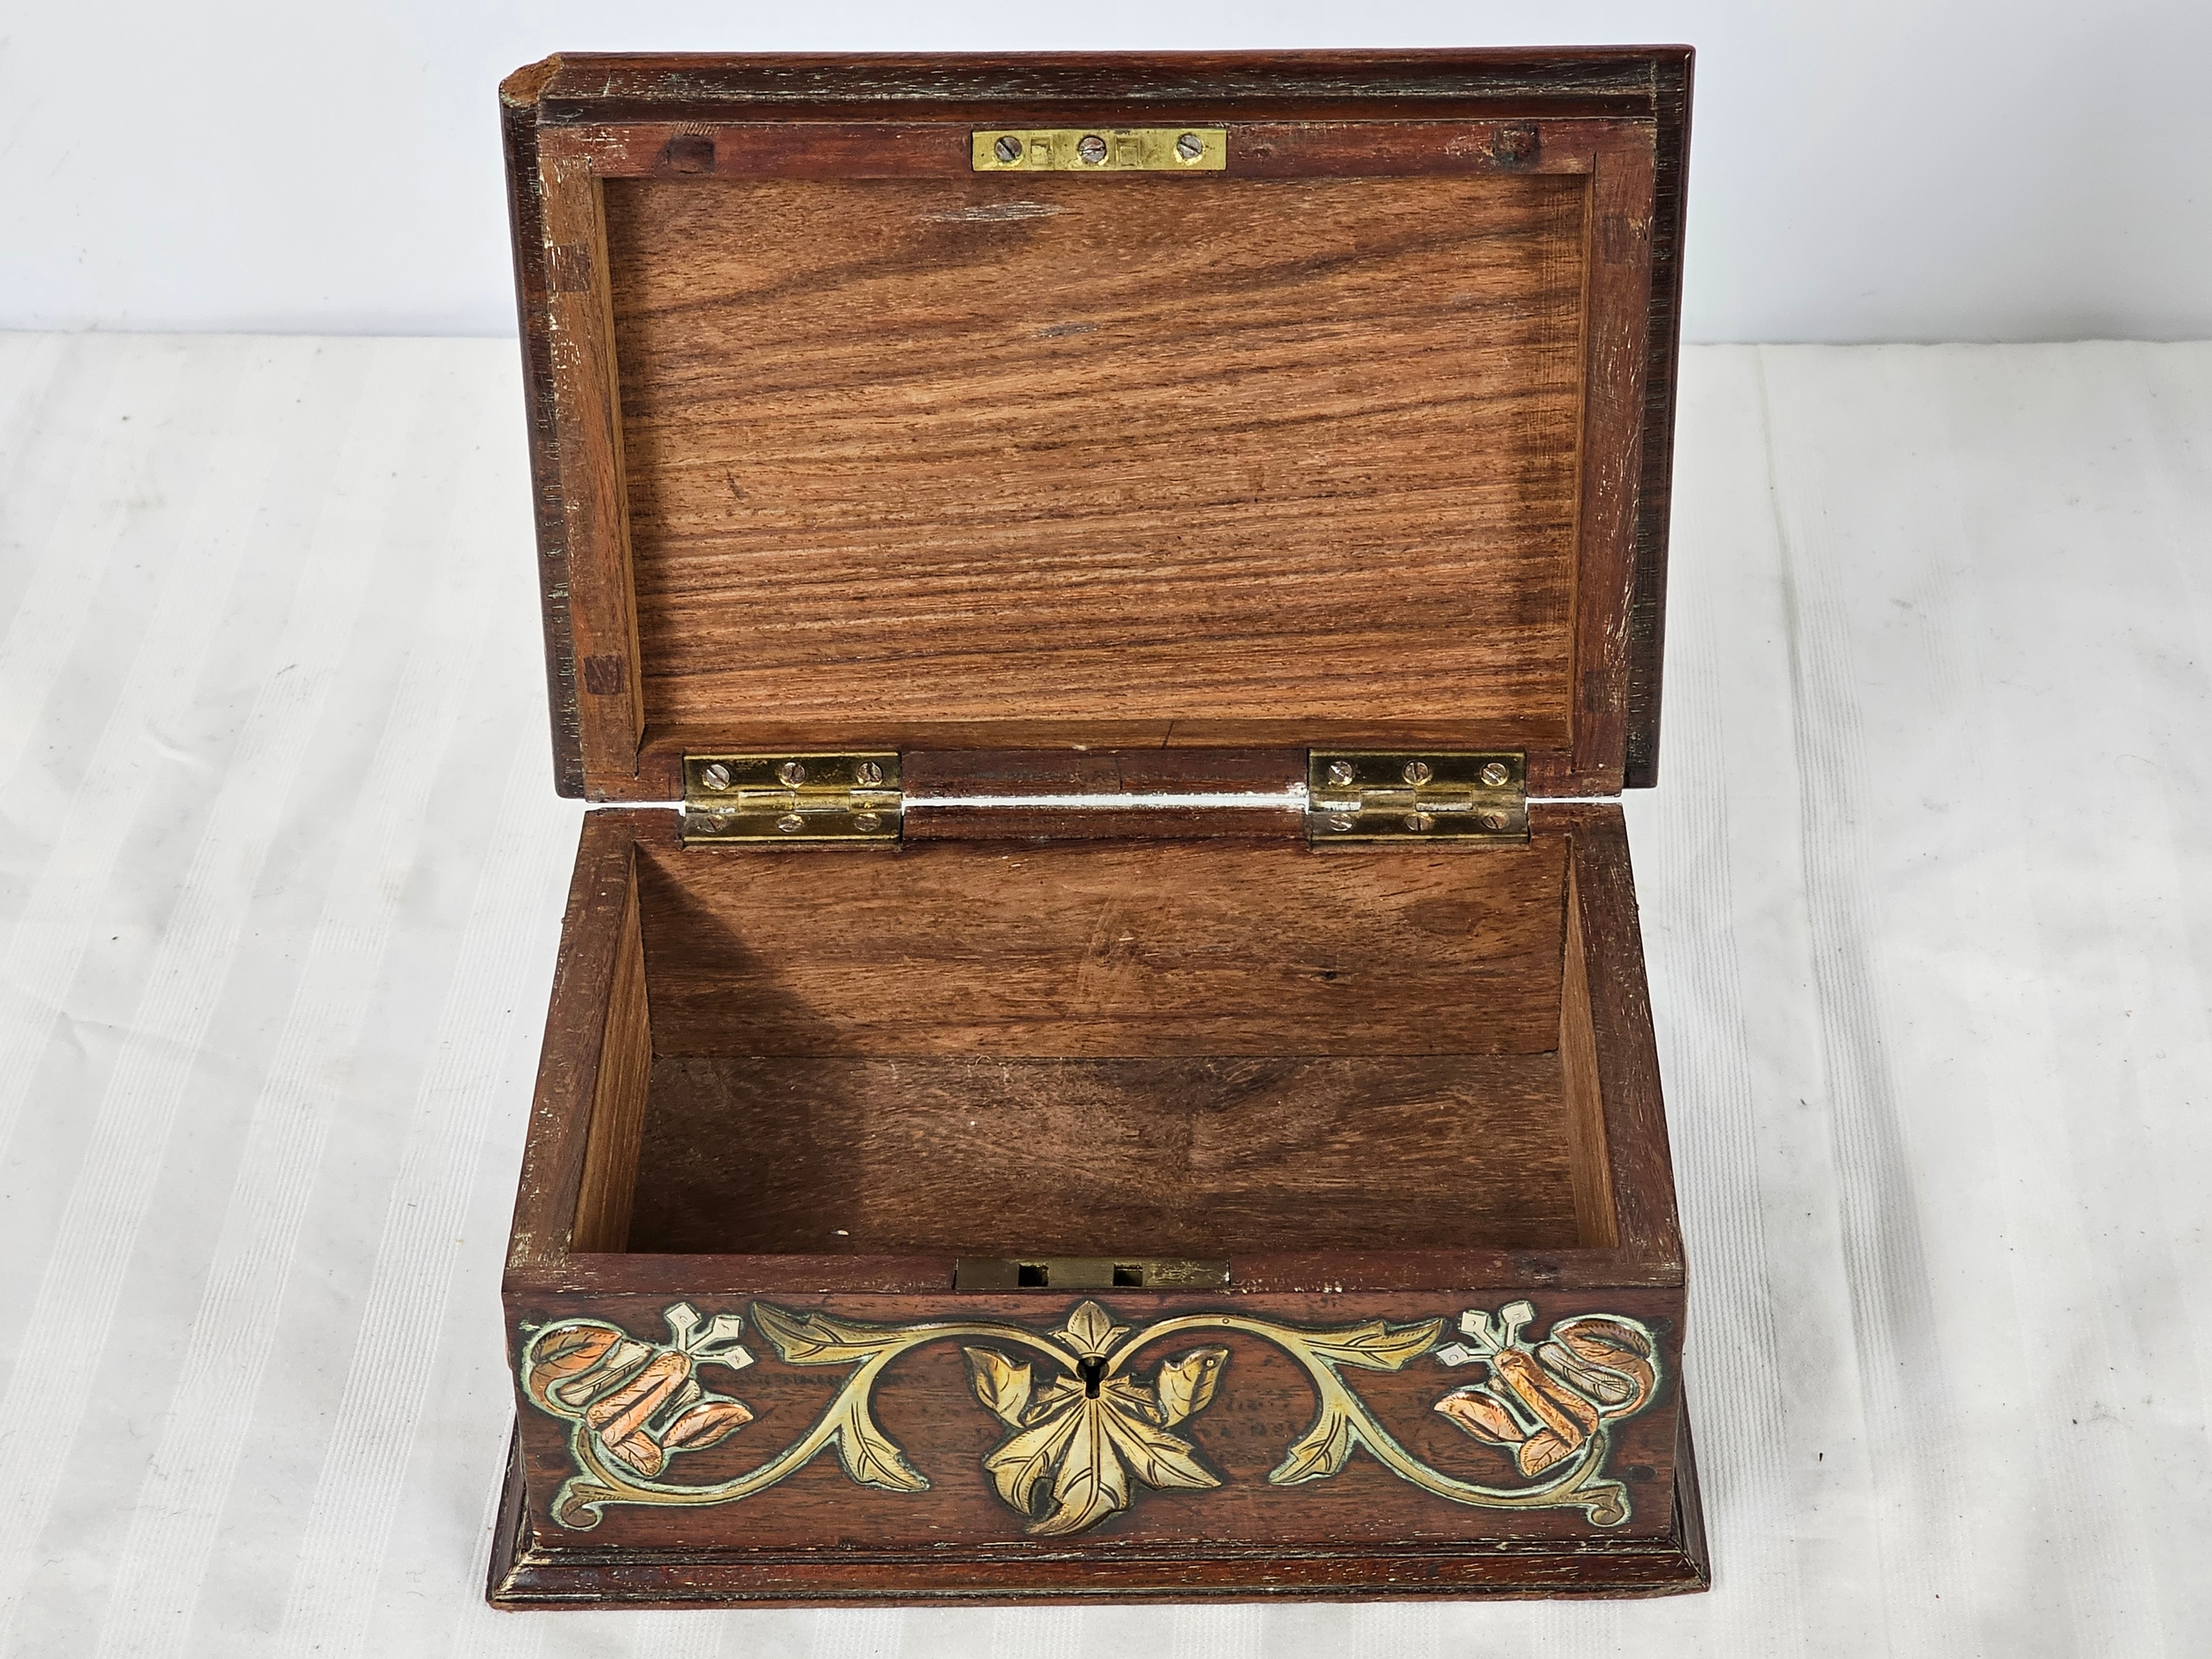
1099 1047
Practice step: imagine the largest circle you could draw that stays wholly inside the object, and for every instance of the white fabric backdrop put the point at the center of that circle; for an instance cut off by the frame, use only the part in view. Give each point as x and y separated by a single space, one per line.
1925 892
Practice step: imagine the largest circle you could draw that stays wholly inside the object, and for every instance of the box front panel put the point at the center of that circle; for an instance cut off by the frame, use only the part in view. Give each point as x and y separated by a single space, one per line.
1101 1428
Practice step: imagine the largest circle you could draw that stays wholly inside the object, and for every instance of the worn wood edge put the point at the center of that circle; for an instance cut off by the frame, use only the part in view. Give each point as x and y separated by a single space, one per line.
518 1577
525 219
1588 1158
609 1184
1612 79
1323 1272
1672 75
1626 1046
554 1142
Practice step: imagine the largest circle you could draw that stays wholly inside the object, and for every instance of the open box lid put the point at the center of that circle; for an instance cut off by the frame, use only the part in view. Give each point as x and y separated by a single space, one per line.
1285 400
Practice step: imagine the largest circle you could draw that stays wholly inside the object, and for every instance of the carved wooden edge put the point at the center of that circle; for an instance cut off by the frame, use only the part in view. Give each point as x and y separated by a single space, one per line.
582 1006
526 216
1626 1052
520 1573
576 451
1671 75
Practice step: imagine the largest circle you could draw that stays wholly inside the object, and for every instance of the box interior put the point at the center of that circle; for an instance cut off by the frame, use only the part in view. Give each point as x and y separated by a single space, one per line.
1172 1048
1033 460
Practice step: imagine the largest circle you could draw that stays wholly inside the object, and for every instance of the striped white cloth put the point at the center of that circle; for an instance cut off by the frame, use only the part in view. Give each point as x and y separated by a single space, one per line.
1926 895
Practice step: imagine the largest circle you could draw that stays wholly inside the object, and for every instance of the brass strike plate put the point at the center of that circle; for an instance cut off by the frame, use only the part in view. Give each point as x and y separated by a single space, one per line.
791 798
1101 150
1424 796
1087 1272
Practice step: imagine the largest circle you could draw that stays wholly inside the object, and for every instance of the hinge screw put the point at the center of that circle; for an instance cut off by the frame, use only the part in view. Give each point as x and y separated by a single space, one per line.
867 822
868 771
1340 822
1492 820
792 773
716 777
1419 821
1190 147
1417 772
791 823
1007 149
1091 150
1494 774
1340 771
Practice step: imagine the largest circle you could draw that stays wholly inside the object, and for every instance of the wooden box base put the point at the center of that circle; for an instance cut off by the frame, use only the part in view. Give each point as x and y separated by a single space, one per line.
1442 1355
528 1571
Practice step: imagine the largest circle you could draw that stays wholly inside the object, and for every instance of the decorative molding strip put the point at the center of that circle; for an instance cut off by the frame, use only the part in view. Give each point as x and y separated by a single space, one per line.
1086 1430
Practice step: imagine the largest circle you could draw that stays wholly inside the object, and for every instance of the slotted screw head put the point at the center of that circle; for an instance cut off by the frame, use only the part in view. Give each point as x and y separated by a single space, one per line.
791 823
1340 822
868 771
1419 821
1340 771
1493 820
1008 148
1090 150
792 773
1190 147
716 777
1494 774
1417 772
867 822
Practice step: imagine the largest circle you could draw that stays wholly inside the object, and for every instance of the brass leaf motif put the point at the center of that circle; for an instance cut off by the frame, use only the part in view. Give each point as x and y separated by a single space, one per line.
1320 1452
1090 1331
1084 1432
815 1339
1000 1384
1188 1382
1092 1443
1376 1345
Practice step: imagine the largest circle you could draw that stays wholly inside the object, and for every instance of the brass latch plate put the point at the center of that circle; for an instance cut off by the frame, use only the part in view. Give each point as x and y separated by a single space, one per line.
1100 149
1087 1272
791 798
1415 795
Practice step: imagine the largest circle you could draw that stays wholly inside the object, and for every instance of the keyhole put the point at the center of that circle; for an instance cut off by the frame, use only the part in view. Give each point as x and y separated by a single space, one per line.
1091 1371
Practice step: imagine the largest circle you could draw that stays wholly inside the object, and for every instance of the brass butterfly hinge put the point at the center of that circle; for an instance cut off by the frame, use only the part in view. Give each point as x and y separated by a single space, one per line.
1101 150
1415 796
791 798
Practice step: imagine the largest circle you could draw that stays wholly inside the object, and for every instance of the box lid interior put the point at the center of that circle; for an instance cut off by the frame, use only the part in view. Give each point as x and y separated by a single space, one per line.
1360 440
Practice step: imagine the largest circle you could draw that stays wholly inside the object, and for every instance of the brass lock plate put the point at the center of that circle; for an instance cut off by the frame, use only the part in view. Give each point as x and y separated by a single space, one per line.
1100 149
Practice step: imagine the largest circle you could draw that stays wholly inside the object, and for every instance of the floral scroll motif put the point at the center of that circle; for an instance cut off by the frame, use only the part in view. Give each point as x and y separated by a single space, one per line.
1085 1428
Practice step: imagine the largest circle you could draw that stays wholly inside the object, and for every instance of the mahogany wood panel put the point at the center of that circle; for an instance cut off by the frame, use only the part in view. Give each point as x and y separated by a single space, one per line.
1521 112
1589 1160
1087 451
1185 1158
596 517
937 150
619 1096
1103 949
1641 1169
576 1029
818 1535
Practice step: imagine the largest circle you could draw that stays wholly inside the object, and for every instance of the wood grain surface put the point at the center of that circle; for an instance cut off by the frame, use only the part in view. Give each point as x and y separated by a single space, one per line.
1178 1157
1607 128
1133 452
1140 949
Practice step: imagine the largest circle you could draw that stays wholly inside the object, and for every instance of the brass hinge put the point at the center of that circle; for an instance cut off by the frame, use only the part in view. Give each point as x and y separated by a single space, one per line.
1414 796
791 798
1100 149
